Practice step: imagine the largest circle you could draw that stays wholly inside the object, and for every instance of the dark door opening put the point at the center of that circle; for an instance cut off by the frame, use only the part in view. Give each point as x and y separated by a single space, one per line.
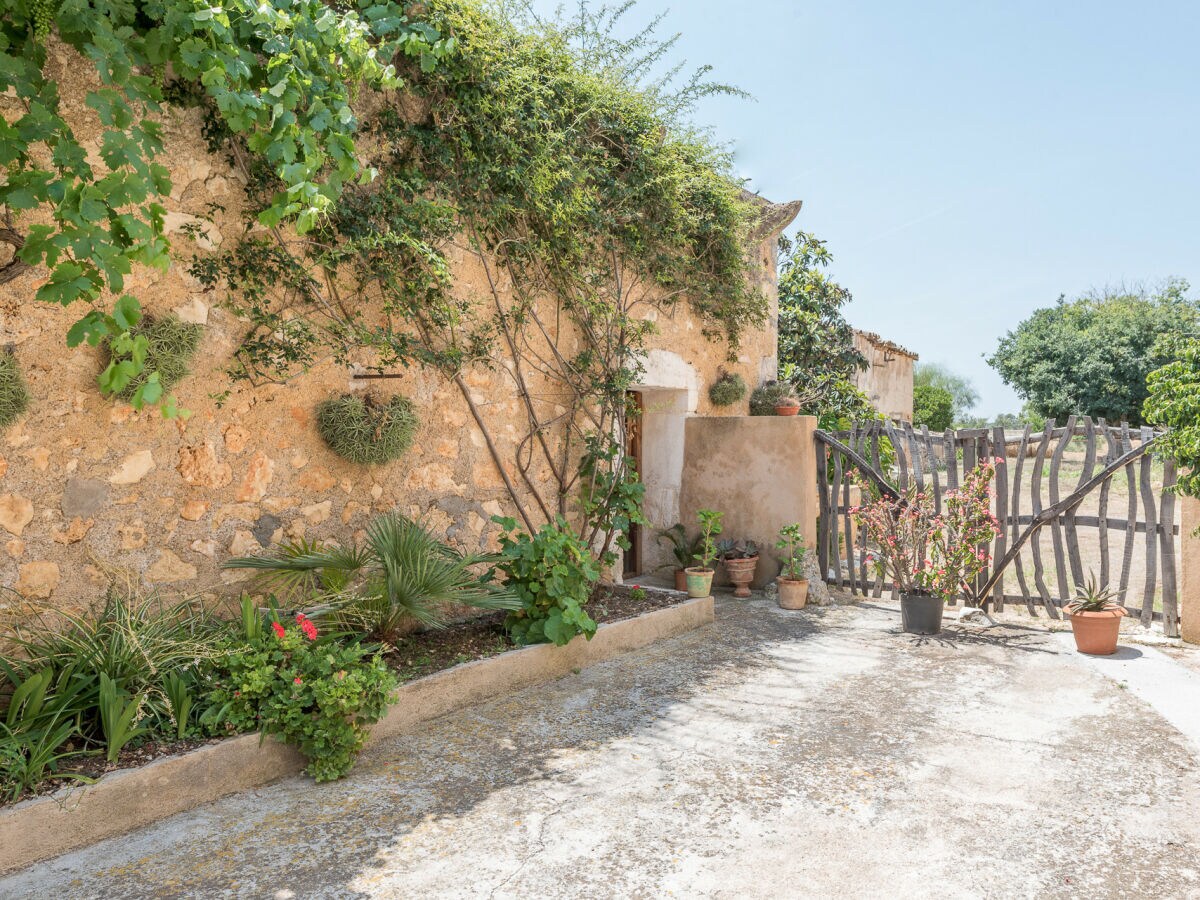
633 449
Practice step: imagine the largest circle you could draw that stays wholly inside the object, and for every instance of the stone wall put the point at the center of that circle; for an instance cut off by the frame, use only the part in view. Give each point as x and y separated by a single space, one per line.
888 379
92 491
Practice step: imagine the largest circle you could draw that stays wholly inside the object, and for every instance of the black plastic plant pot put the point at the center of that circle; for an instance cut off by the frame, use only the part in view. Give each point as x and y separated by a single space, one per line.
921 613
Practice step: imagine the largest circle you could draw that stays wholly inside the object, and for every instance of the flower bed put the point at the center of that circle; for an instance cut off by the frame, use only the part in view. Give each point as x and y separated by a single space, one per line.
45 826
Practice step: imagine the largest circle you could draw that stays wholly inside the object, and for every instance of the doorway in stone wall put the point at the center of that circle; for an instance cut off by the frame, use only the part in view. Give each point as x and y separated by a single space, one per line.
633 449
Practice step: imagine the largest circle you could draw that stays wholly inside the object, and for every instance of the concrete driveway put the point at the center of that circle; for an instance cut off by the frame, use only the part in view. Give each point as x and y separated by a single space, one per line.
774 754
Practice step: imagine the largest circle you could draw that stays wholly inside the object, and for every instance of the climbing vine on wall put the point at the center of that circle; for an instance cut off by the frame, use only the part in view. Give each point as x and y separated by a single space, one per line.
279 75
583 205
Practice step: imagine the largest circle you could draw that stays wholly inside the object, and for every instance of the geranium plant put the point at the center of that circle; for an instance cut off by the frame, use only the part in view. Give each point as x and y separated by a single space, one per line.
315 692
924 552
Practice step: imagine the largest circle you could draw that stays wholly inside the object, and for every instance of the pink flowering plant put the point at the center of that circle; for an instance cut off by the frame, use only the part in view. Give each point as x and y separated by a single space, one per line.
314 691
924 552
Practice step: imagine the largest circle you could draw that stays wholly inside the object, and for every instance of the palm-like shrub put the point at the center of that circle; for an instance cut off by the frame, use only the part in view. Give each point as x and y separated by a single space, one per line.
401 574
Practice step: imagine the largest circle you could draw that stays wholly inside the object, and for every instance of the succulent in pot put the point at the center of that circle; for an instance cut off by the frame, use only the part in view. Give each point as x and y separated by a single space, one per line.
793 586
787 406
740 559
699 578
683 548
1095 618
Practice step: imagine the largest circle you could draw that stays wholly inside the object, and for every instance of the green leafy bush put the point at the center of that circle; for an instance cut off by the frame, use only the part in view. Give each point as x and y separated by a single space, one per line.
552 573
1174 402
727 390
318 694
152 357
398 576
14 395
364 430
933 406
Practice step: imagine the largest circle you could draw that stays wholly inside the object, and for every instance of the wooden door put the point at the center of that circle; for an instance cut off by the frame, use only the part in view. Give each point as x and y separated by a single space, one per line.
633 449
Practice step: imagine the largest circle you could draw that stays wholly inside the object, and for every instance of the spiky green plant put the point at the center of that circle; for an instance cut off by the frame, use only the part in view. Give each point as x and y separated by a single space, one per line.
401 574
170 346
365 430
14 395
1093 597
133 640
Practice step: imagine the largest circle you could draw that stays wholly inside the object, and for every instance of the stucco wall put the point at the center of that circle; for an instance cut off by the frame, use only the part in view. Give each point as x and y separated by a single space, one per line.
888 379
1189 574
92 491
761 472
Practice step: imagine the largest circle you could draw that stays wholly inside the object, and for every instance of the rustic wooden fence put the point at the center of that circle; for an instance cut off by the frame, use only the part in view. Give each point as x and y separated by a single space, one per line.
1036 491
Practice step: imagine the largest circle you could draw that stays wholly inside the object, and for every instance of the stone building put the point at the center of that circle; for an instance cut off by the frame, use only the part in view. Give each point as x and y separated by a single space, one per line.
888 379
92 491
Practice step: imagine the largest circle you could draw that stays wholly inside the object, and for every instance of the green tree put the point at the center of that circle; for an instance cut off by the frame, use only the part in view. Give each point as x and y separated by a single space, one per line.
962 393
1091 356
1174 402
816 344
933 406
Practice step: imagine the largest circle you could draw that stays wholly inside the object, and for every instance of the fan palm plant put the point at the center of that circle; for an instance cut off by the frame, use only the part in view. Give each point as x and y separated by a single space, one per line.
400 574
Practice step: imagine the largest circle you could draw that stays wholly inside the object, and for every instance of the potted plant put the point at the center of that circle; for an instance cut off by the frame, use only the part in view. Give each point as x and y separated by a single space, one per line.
740 560
793 586
1095 619
683 549
929 557
787 406
699 578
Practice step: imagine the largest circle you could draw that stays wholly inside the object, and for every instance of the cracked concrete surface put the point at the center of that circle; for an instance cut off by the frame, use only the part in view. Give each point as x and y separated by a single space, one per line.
774 754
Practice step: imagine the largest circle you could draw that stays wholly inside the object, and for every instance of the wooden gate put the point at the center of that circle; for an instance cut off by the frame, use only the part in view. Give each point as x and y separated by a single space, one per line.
1095 487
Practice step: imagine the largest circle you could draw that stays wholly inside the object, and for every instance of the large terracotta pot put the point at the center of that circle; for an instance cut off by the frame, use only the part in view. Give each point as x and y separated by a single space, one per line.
741 573
921 613
699 581
784 410
792 594
680 580
1096 632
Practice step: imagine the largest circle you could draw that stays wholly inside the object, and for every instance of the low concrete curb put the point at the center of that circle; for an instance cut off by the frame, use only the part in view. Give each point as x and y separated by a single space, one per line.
73 817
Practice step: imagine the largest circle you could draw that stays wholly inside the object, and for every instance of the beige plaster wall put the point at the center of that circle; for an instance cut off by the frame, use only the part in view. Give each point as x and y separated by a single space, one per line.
888 379
760 471
91 490
1189 574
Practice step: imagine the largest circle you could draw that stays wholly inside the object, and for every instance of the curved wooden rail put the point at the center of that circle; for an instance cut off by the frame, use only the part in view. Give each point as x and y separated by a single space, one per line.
1051 513
861 463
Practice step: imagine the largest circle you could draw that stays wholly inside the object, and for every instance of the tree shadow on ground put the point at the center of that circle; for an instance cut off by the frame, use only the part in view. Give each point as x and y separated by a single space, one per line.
296 838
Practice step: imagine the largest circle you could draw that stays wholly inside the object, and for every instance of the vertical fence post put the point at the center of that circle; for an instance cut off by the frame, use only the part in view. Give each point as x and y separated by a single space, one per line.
1189 593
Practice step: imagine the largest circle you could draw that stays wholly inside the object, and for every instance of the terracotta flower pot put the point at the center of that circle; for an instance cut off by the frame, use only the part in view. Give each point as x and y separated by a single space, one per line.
787 410
680 580
741 573
792 594
699 581
1096 633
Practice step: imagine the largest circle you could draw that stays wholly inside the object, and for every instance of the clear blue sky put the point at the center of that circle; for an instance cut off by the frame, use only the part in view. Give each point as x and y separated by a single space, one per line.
967 162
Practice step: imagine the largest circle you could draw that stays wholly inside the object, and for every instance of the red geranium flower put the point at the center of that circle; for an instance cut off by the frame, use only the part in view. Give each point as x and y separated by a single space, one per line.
279 631
298 680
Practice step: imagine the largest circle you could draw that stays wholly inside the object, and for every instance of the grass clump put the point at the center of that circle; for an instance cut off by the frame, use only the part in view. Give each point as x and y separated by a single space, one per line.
366 430
14 395
727 390
170 346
